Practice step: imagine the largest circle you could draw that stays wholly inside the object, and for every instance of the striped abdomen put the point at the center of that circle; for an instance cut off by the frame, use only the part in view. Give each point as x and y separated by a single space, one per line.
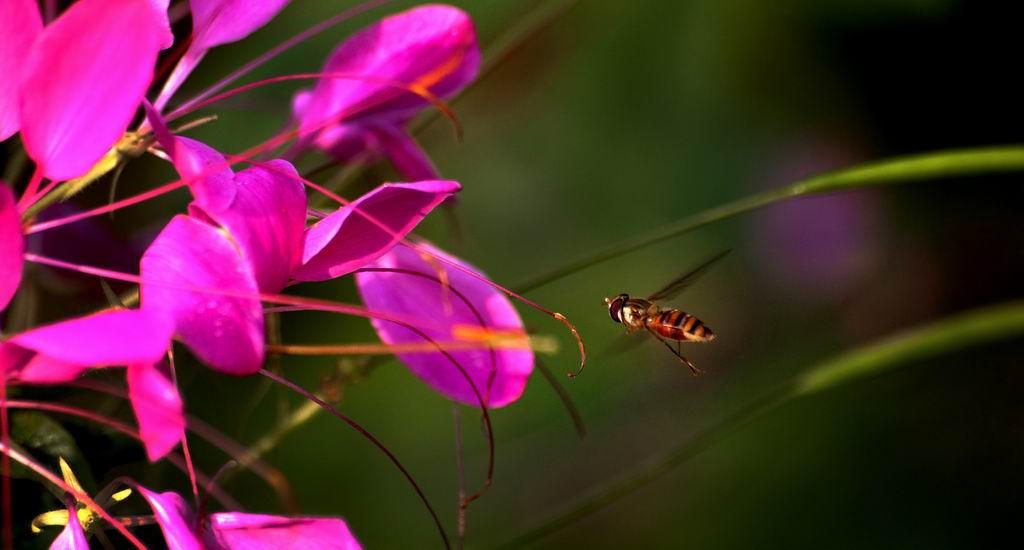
678 325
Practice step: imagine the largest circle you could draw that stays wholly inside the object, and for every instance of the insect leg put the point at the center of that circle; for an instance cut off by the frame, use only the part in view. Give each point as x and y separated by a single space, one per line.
693 368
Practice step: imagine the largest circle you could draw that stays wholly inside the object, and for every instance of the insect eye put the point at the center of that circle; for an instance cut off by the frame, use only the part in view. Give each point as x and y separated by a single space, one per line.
614 308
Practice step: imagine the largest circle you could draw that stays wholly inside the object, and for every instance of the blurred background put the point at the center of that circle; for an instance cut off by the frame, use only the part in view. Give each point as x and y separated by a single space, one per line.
609 122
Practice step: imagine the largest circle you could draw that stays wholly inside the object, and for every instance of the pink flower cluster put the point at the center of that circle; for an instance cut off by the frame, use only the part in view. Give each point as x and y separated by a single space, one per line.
71 89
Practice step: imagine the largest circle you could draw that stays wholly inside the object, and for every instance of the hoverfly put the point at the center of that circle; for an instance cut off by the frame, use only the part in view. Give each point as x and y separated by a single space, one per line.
665 324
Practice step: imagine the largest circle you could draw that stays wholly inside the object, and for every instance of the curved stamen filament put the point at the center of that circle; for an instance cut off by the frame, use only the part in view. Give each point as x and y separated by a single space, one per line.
371 438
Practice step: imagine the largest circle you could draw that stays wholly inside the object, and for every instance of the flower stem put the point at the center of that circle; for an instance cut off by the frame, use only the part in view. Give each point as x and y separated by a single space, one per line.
951 334
907 169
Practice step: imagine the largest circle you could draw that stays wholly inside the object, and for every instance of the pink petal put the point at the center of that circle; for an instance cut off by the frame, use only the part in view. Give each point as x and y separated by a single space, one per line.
175 519
218 22
348 239
86 74
182 272
37 368
418 297
166 36
20 24
157 407
209 175
267 219
433 46
207 172
72 537
261 532
112 337
11 245
406 155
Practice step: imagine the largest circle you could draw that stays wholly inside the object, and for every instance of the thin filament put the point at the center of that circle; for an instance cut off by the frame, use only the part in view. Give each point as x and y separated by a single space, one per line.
122 428
371 438
278 50
272 476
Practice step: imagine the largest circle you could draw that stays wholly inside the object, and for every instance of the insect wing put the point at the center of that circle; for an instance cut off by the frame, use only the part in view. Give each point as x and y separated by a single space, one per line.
687 279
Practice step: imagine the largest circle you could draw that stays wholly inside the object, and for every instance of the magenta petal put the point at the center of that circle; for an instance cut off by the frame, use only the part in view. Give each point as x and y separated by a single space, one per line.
207 171
175 519
239 531
418 297
166 36
86 74
157 407
347 239
267 219
11 245
218 22
72 537
20 24
406 155
186 274
432 46
43 369
109 338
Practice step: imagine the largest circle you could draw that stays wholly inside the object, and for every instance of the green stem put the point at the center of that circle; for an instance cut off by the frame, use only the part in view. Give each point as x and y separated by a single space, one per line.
914 168
954 333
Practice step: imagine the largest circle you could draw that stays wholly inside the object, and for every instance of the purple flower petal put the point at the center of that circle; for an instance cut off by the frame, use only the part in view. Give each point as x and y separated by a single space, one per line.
11 245
406 155
225 331
267 218
20 24
72 537
431 46
166 35
501 381
109 338
157 407
112 337
85 76
207 172
347 239
218 22
261 532
175 519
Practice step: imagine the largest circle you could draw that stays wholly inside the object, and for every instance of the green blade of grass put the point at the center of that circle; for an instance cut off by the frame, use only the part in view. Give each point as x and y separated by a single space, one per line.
954 333
914 168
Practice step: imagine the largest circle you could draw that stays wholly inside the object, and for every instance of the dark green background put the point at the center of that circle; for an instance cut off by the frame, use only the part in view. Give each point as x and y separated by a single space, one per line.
616 119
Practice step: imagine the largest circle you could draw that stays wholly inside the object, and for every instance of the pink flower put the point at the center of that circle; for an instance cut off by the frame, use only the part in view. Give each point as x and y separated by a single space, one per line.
238 531
263 210
430 47
500 375
82 81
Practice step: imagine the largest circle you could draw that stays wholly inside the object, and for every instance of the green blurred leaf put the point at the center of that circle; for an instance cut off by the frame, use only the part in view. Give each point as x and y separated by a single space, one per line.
913 168
947 335
41 435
